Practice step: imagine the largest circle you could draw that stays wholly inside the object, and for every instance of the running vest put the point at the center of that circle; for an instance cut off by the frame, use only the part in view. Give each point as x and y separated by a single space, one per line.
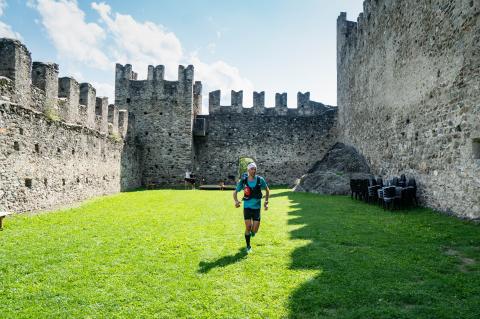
248 192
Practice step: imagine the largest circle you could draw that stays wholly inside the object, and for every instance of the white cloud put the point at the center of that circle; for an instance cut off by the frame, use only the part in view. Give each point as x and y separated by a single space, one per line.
73 37
120 38
3 4
211 47
144 43
141 43
219 75
7 32
105 89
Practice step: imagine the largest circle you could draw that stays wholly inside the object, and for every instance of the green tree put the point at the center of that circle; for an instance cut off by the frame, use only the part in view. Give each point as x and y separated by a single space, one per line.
242 165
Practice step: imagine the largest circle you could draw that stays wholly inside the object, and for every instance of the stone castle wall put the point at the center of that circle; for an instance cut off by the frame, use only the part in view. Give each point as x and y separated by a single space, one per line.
59 143
163 112
408 76
284 142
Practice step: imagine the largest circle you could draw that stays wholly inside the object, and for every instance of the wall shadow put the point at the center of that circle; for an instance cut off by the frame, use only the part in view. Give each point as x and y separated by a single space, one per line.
376 264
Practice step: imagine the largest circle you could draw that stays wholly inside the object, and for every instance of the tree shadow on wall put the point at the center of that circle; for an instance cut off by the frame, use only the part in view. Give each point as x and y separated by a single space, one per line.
368 263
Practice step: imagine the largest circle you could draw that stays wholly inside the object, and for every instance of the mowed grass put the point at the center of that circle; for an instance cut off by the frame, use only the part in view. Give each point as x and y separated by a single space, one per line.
180 254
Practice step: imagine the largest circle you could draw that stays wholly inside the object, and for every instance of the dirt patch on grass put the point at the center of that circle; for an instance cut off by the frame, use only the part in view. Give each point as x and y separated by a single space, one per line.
465 262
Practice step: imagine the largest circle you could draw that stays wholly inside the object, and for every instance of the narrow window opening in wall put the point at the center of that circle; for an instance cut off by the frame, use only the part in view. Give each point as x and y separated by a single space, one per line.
28 182
45 182
59 150
63 181
458 128
86 180
438 73
20 130
104 177
476 148
471 3
86 154
169 150
408 121
145 113
403 134
128 100
16 146
161 113
148 149
78 180
416 136
169 134
311 135
37 148
73 151
146 133
387 118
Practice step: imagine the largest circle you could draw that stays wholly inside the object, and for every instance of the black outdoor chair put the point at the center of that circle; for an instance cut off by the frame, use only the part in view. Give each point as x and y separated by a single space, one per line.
389 197
380 196
372 195
353 188
411 192
395 181
403 181
364 183
380 181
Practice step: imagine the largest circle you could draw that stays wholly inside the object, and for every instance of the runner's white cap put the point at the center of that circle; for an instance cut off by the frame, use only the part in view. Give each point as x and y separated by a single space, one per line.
251 165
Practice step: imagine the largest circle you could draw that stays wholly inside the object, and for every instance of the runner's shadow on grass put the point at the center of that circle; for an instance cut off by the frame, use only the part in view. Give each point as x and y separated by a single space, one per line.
205 267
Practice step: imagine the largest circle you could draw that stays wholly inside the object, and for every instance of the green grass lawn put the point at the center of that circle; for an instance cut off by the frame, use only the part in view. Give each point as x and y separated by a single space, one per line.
180 254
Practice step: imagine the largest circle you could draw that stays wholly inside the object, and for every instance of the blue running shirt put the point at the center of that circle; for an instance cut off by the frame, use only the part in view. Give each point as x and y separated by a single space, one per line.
254 203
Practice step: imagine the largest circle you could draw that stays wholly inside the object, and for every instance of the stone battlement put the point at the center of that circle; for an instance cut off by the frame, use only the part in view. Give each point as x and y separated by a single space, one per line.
37 86
305 107
59 142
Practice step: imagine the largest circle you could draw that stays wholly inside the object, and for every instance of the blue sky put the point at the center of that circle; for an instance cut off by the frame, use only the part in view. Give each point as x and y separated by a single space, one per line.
262 45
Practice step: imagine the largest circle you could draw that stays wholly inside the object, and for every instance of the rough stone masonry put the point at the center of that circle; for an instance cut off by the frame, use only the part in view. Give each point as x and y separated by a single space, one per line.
408 88
408 93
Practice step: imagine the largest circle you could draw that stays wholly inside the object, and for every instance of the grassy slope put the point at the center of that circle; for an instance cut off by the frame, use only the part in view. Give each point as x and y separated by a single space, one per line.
179 253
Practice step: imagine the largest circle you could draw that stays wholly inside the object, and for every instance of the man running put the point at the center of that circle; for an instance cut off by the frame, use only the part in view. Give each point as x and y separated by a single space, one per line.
252 186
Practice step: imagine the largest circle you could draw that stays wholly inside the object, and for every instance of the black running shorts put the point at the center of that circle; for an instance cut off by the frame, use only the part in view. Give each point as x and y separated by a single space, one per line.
251 213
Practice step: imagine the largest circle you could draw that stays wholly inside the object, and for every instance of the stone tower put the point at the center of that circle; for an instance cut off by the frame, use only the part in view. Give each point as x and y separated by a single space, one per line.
164 112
